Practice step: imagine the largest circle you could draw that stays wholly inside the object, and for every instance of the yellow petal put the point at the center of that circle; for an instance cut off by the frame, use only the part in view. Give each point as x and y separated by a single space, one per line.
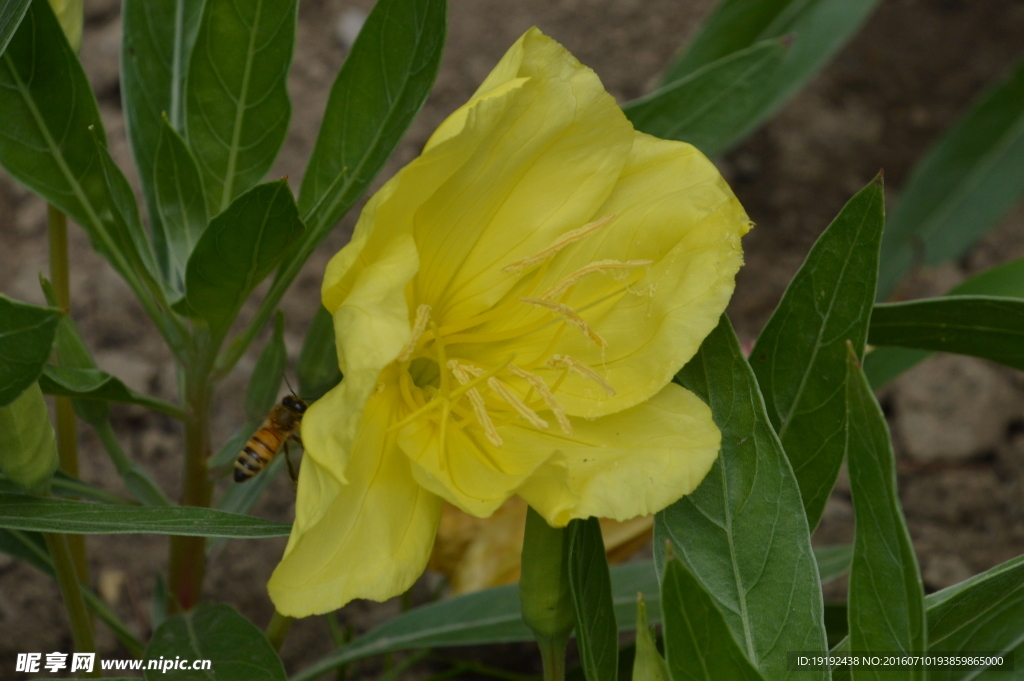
671 207
469 472
540 151
632 463
375 537
371 325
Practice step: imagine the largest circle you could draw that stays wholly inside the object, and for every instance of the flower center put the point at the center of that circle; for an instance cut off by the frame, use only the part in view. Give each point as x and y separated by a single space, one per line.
456 390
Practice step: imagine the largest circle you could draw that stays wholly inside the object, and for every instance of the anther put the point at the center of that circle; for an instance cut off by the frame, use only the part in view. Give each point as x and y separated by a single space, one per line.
538 384
477 401
570 316
418 327
559 361
593 268
561 242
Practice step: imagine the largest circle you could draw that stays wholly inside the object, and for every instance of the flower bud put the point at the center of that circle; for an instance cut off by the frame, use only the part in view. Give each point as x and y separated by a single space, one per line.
544 585
28 449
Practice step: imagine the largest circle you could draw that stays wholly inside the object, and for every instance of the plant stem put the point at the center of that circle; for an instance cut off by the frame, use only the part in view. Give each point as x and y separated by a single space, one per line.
187 562
278 628
67 431
552 654
71 590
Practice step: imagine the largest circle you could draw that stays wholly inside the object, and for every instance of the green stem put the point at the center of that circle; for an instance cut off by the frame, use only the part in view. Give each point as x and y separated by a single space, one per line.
67 431
187 563
278 628
71 590
552 654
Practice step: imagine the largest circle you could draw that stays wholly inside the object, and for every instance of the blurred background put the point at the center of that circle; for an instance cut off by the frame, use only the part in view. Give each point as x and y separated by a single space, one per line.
911 71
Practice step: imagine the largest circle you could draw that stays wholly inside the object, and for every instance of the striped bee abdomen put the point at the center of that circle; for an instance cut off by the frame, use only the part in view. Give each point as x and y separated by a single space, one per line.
259 451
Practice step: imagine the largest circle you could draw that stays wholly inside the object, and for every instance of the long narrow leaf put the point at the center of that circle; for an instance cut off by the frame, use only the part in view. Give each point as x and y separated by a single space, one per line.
237 107
800 357
40 514
962 187
742 533
989 327
713 106
93 384
886 363
11 14
155 52
886 601
819 27
591 590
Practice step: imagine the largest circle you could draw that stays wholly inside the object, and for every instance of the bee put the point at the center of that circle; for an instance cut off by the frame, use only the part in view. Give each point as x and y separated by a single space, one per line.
280 426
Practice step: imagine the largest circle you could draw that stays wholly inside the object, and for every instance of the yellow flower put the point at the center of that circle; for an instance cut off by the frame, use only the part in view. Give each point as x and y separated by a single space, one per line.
509 315
477 553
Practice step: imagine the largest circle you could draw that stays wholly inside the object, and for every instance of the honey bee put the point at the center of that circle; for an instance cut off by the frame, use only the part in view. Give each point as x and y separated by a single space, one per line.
281 425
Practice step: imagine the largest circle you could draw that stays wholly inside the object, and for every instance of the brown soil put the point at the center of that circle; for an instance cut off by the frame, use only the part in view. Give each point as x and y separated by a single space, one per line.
886 97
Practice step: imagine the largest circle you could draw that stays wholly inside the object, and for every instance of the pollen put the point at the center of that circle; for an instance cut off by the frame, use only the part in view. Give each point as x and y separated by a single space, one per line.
601 266
418 327
569 237
584 370
569 315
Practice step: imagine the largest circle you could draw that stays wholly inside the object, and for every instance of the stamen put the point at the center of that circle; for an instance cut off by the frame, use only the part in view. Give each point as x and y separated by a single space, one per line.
582 369
422 317
570 316
561 242
538 384
476 399
506 394
594 267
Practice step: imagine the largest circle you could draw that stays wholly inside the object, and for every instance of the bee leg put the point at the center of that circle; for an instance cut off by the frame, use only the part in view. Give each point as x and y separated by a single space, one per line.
291 469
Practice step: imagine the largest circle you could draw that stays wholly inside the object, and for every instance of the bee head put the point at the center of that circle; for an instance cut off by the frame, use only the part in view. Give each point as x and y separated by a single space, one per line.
294 403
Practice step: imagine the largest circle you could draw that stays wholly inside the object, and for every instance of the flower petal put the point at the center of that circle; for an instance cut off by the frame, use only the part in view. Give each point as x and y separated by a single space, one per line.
632 463
371 325
375 537
542 146
673 209
469 472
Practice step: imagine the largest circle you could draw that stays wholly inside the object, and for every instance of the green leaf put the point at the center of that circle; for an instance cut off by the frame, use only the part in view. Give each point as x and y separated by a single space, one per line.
93 384
981 326
317 368
699 644
741 532
237 105
490 616
800 356
239 248
648 664
39 514
713 107
178 200
962 186
884 364
986 612
11 14
820 28
158 36
591 589
229 452
28 449
265 382
240 498
886 601
26 335
380 88
53 142
237 650
833 561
